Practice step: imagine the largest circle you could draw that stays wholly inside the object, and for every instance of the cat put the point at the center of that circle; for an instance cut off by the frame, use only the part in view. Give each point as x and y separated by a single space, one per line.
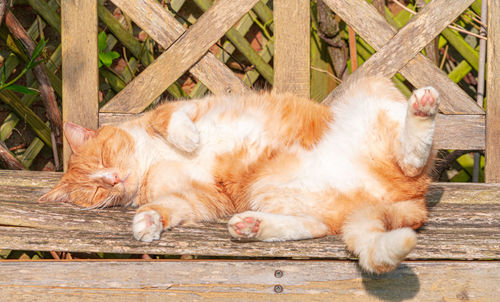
284 167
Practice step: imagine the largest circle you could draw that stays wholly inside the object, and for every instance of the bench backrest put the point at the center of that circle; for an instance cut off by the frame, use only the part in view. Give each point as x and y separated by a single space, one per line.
462 124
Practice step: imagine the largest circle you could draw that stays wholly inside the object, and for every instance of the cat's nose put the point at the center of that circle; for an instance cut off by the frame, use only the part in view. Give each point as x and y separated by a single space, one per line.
112 179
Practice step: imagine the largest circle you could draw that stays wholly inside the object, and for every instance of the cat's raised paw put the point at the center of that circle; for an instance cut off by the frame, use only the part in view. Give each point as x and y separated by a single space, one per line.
424 102
242 226
147 226
182 132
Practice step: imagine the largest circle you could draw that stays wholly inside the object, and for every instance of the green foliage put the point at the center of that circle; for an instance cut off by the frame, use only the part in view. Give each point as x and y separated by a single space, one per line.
30 64
105 57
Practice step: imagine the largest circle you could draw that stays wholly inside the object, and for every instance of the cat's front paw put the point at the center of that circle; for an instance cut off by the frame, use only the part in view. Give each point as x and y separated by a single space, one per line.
147 226
182 132
424 102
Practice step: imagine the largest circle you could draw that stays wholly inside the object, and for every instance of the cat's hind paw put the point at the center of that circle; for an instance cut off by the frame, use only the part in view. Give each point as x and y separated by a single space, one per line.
424 102
147 226
182 132
243 226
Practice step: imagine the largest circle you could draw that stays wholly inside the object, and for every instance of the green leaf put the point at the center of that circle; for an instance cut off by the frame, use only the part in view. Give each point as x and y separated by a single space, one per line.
38 49
114 54
34 64
101 41
21 89
107 57
4 76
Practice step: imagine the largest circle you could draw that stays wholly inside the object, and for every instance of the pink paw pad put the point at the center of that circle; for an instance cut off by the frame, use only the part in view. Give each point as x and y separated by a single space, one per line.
247 227
425 102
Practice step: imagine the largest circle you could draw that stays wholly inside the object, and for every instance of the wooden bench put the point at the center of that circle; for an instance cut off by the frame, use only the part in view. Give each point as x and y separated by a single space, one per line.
457 255
458 251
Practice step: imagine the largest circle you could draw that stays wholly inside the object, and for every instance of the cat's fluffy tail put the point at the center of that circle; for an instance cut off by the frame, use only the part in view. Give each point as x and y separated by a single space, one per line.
379 250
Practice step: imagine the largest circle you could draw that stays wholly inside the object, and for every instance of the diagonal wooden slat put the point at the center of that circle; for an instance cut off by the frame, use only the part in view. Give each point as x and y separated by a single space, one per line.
243 46
181 55
420 71
151 17
292 47
242 27
165 30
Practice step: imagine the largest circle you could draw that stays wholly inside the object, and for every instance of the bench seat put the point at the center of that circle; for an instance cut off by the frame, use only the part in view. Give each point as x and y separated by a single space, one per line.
456 256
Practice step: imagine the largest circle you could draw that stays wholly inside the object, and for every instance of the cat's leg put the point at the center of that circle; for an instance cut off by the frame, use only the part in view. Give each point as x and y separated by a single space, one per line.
418 131
275 227
167 212
169 196
174 122
381 236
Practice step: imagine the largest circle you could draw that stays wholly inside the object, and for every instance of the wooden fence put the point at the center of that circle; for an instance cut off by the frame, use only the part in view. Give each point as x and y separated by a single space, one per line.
462 124
463 218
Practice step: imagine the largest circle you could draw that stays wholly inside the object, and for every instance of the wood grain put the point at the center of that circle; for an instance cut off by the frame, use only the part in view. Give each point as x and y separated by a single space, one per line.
79 61
463 224
454 231
407 42
292 47
185 52
116 118
492 169
245 281
419 70
462 132
165 30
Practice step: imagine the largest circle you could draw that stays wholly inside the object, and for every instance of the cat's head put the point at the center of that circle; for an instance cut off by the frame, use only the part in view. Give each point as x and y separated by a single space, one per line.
101 170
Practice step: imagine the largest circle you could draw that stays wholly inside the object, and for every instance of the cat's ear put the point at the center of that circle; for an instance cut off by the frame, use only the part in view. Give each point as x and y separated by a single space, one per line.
77 135
58 194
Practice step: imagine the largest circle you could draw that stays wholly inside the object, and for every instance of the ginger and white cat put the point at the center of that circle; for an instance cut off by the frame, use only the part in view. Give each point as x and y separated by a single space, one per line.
285 168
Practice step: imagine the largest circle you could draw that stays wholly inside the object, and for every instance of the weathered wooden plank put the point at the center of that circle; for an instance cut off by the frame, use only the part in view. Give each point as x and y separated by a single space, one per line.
463 223
188 49
462 132
492 169
245 281
420 71
218 78
151 17
38 180
454 231
292 47
463 193
79 60
165 30
106 118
